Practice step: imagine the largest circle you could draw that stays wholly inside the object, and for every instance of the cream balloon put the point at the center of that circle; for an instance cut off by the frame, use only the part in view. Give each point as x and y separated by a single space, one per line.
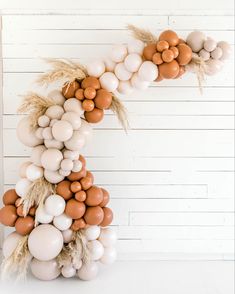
57 96
66 164
73 118
210 45
213 66
43 121
133 62
109 64
77 166
62 222
109 81
26 134
109 256
62 130
136 46
226 48
53 177
10 244
45 270
34 172
95 68
64 173
92 233
217 53
47 133
196 40
88 271
148 71
22 169
68 271
42 216
73 105
139 84
121 72
36 154
96 249
205 55
118 53
55 112
38 133
51 159
68 154
54 205
45 242
53 121
125 87
67 235
108 237
76 142
22 187
54 144
86 130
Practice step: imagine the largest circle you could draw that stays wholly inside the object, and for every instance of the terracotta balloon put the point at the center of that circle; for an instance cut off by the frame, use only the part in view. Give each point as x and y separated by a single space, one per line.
75 187
90 82
76 176
8 215
175 51
185 54
162 45
10 197
69 89
157 58
86 183
105 198
167 55
159 78
88 105
24 225
79 94
32 211
63 189
169 70
181 72
90 175
78 224
94 196
108 217
149 51
75 209
80 196
20 211
94 215
94 116
90 93
83 160
103 99
170 36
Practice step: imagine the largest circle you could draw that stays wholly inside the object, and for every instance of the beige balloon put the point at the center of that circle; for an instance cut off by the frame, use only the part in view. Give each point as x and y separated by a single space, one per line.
23 167
73 118
196 40
51 159
55 112
54 144
57 96
45 270
76 142
36 154
62 130
53 177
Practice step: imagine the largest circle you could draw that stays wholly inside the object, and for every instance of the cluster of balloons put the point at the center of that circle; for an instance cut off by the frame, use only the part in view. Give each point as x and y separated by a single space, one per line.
94 99
46 242
12 215
208 50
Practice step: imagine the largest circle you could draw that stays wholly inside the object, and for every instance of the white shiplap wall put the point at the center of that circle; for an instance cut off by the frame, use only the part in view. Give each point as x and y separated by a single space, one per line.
171 177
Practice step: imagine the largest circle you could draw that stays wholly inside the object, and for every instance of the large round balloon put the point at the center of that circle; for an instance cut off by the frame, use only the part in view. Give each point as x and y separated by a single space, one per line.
45 270
45 242
10 244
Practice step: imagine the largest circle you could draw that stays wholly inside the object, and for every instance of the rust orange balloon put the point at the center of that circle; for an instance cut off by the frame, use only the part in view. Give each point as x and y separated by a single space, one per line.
170 36
169 70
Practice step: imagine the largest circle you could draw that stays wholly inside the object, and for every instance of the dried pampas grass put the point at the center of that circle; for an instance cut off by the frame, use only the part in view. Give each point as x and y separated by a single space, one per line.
119 109
143 35
199 67
18 262
36 195
75 251
66 71
35 105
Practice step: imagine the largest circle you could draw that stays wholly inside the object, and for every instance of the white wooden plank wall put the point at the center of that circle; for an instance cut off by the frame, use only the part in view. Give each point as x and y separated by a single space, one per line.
171 177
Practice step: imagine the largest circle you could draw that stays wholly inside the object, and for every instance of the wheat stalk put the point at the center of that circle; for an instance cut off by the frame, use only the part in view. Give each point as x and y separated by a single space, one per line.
119 109
141 34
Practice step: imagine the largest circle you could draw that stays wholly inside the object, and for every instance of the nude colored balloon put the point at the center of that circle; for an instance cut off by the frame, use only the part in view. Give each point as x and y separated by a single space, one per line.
43 121
88 271
125 87
217 53
68 271
45 270
133 62
109 81
34 172
73 118
138 83
62 130
45 242
109 256
36 154
42 216
10 244
92 233
226 48
109 64
57 96
205 55
62 222
55 205
86 130
76 142
26 134
148 71
73 105
54 144
53 177
210 45
22 187
55 112
135 46
118 53
95 68
196 40
96 249
108 237
67 235
213 66
51 159
23 167
121 72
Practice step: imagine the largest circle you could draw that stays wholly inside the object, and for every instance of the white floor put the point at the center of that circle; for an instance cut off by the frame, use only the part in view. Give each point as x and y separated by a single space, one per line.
148 277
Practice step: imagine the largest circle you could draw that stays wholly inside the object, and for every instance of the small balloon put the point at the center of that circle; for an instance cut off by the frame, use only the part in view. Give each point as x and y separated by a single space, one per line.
95 68
109 256
55 205
22 187
109 81
62 222
10 244
88 271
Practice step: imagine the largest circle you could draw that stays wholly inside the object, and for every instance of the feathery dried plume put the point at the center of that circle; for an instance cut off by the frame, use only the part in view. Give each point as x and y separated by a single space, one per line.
141 34
119 109
66 71
199 67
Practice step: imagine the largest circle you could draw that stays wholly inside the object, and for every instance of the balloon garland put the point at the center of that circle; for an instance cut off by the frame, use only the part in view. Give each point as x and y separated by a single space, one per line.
61 218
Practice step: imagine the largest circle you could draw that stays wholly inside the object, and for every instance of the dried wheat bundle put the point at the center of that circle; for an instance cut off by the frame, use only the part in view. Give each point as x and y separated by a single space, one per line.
141 34
66 71
119 109
199 66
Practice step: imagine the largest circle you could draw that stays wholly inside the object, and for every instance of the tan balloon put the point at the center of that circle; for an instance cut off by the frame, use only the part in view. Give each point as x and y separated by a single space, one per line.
91 82
51 159
36 154
75 209
64 189
62 130
55 112
94 196
103 99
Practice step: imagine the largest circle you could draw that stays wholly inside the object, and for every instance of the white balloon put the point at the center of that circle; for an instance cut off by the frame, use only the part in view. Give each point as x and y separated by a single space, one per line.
10 244
92 233
64 173
133 62
205 55
76 142
22 187
88 271
45 270
125 87
86 130
121 72
67 235
57 96
53 177
136 46
42 216
47 133
66 164
51 159
68 271
22 169
95 68
196 40
210 45
73 105
55 112
96 249
109 81
38 133
109 64
118 53
53 121
71 154
36 154
148 71
34 172
217 53
54 144
62 130
139 84
73 118
108 237
213 66
45 242
77 166
55 205
226 48
62 222
43 121
109 256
